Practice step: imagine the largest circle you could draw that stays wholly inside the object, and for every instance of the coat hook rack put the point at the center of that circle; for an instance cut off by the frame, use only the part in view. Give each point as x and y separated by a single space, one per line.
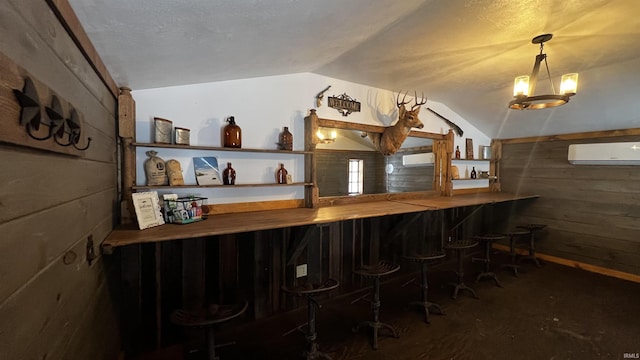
65 131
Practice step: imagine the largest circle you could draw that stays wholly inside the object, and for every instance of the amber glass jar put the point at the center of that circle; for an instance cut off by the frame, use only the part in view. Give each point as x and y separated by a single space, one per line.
286 139
229 175
281 175
232 134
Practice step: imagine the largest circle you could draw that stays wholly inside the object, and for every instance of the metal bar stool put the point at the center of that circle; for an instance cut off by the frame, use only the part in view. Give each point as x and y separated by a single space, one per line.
531 229
513 237
487 241
374 272
423 260
459 247
309 291
208 318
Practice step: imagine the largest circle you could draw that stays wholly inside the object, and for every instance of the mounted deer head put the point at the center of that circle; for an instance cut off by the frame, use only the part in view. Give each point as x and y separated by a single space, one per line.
389 141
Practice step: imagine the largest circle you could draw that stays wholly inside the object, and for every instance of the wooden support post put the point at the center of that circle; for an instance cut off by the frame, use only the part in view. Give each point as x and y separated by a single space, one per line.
447 187
494 165
310 129
127 135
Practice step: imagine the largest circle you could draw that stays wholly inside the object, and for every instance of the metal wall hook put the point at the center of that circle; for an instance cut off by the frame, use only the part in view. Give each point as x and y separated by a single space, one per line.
33 115
35 124
84 148
75 129
60 134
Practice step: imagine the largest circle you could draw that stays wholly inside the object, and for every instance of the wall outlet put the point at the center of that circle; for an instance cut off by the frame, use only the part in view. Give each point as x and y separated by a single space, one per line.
301 270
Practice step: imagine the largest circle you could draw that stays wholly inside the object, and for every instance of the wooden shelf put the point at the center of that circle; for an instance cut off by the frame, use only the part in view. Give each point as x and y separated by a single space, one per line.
470 160
145 187
213 148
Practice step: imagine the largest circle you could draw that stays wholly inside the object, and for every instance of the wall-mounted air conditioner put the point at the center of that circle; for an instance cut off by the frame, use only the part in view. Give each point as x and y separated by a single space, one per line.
420 159
620 153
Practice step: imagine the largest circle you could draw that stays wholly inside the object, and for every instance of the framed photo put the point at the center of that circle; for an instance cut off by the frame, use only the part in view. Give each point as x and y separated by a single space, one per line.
207 171
147 208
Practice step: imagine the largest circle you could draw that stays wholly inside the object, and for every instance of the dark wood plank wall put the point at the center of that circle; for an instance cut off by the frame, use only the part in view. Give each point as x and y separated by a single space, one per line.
53 304
592 212
253 266
405 179
333 166
333 177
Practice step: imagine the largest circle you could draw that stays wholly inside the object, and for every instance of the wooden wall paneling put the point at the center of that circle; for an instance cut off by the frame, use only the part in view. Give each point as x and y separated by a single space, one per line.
70 21
336 245
360 250
131 296
262 299
39 43
148 336
602 135
31 242
51 306
192 253
228 265
406 179
172 282
333 166
277 279
622 255
55 306
591 211
401 229
372 239
48 180
316 257
349 253
96 116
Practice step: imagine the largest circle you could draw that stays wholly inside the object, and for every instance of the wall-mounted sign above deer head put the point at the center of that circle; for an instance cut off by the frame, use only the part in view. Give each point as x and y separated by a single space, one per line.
389 141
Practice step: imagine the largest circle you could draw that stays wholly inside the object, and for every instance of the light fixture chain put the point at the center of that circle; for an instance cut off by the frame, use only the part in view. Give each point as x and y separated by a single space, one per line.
546 64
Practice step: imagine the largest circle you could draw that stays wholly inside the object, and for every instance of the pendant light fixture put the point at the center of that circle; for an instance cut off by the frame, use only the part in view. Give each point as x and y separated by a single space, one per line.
524 86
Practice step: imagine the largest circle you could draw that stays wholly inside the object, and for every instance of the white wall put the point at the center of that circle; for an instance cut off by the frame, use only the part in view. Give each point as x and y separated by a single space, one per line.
262 107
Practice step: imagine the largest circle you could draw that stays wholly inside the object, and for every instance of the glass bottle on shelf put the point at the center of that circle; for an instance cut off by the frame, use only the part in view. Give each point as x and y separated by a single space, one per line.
229 175
457 152
286 139
232 134
281 175
473 172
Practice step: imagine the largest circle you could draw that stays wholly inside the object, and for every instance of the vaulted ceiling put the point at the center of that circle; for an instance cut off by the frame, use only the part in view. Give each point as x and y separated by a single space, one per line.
463 53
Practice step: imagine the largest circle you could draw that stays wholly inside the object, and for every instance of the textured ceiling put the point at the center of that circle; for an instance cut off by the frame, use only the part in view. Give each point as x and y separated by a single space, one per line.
464 54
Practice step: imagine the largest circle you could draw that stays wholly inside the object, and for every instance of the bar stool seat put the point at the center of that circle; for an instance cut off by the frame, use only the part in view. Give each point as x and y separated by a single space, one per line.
487 240
531 229
208 318
375 272
423 260
310 290
459 247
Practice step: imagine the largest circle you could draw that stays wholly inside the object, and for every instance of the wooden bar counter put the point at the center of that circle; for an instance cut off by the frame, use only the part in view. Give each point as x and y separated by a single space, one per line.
273 219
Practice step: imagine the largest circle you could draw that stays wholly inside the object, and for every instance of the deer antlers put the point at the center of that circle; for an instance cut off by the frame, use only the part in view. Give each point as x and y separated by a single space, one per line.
416 105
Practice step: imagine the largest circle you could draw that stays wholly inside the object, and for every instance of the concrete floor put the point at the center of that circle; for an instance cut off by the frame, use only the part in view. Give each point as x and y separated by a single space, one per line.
552 312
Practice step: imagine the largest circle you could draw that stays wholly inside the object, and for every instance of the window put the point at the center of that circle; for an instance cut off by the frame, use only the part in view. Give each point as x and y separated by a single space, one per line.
356 176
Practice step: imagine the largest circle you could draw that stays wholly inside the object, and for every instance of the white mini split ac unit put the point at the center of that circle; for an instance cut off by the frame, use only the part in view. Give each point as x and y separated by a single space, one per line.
420 159
620 153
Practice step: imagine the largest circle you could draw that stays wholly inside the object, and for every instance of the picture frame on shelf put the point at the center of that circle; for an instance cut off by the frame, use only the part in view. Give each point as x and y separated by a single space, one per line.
207 171
147 207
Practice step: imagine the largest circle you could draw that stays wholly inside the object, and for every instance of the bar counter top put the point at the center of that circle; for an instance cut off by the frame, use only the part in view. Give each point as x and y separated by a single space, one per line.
273 219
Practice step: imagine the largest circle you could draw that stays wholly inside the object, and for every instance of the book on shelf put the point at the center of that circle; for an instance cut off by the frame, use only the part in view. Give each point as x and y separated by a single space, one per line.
207 170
